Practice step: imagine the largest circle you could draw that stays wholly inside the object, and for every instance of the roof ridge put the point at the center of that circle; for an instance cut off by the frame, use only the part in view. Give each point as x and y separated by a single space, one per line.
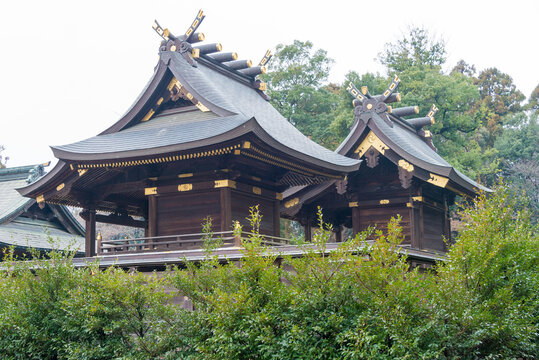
211 53
28 172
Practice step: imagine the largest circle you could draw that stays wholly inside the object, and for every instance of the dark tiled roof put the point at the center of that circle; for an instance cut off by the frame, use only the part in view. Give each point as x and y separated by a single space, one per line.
21 231
241 102
41 235
412 148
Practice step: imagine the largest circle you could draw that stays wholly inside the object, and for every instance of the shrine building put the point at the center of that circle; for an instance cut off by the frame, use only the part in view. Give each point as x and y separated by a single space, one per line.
202 140
26 225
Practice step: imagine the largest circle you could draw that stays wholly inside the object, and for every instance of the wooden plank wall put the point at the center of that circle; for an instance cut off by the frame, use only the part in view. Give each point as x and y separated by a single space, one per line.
380 216
433 229
184 213
241 202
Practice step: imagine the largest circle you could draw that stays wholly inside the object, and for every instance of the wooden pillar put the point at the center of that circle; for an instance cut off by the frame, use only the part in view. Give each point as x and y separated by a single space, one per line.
308 230
152 216
421 226
89 247
355 220
226 209
414 226
276 218
421 222
338 233
447 223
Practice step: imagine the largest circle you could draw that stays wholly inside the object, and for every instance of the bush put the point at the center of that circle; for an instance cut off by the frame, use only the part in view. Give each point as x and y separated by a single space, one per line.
361 301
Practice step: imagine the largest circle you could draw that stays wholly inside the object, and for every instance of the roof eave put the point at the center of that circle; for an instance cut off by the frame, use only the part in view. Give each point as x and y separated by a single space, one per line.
32 189
250 126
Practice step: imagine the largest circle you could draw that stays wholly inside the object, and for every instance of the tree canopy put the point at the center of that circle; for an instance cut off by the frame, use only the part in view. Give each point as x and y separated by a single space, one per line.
483 127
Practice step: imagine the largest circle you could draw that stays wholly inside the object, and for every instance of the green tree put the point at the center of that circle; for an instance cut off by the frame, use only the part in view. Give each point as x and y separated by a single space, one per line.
533 101
417 49
297 86
464 68
499 97
488 286
3 163
519 154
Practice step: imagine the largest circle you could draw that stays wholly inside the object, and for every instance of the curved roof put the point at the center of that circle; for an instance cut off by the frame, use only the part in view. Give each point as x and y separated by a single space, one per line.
236 109
23 231
12 204
412 148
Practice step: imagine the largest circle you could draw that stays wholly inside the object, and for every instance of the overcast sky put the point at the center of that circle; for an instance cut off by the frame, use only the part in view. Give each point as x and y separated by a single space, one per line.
70 69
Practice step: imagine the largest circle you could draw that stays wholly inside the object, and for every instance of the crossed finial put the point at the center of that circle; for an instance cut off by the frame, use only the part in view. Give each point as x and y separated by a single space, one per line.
165 34
365 104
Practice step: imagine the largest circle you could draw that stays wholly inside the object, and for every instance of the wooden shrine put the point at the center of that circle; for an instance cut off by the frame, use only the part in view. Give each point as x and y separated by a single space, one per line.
26 225
402 174
201 140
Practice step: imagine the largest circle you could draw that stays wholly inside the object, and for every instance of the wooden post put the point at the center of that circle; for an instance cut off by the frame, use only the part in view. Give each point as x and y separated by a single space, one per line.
276 218
226 209
338 233
308 230
421 227
421 220
447 222
99 238
414 226
152 216
355 220
89 247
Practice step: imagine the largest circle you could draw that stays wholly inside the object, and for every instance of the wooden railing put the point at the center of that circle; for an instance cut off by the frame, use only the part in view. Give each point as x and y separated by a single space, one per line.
179 242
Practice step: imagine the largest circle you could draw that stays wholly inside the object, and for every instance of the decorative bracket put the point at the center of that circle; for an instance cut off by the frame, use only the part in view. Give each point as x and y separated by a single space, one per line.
371 140
373 157
181 44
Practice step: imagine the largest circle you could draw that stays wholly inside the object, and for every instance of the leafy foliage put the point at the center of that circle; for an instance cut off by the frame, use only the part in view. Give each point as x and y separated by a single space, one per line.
51 310
361 300
297 88
3 160
417 49
493 281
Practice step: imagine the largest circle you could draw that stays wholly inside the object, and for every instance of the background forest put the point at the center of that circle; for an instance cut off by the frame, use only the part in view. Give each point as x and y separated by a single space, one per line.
485 127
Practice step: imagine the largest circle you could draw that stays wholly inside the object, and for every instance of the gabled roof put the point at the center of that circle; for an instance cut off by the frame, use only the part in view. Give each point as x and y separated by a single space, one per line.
403 141
229 104
20 229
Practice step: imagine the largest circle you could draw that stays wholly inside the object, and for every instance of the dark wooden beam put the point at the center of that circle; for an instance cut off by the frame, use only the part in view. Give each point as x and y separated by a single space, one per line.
308 231
119 188
89 247
276 218
152 215
226 209
355 220
123 220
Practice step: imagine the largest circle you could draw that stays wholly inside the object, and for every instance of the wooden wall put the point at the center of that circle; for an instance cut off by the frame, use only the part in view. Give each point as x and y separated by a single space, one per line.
380 217
241 202
184 213
433 229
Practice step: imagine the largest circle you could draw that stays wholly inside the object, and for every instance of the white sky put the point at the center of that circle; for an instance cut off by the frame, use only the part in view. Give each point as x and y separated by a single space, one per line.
70 69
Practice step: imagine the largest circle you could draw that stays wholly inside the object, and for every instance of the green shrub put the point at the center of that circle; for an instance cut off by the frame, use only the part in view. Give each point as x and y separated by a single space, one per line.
360 301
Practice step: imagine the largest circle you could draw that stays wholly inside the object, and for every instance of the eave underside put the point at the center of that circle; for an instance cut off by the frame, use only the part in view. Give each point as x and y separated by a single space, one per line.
119 185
